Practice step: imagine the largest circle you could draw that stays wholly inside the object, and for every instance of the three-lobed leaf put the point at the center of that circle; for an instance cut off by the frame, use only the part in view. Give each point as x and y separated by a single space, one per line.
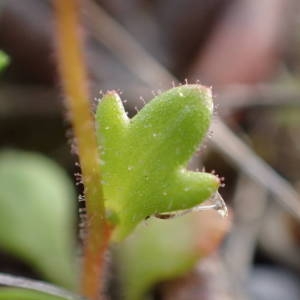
143 159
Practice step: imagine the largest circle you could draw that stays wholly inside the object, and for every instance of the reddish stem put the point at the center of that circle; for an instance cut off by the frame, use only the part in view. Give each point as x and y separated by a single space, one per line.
74 79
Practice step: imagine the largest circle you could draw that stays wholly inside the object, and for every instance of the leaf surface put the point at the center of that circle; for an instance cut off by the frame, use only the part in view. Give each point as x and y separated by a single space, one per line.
163 250
37 214
159 251
23 294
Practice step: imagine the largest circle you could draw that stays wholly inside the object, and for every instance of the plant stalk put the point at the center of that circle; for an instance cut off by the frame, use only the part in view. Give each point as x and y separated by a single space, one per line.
74 79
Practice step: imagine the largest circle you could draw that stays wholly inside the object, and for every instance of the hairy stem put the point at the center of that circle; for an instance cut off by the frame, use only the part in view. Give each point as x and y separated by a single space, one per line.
74 80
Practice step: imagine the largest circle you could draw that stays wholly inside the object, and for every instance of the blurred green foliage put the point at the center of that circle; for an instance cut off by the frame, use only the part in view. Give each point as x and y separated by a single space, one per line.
158 251
37 210
4 60
22 294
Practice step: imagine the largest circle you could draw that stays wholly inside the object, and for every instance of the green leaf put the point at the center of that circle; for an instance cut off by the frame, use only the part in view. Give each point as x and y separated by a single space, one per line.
160 251
23 294
37 214
4 60
143 159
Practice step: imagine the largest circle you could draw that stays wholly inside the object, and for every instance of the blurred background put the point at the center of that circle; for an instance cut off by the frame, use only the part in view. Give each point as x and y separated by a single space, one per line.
248 51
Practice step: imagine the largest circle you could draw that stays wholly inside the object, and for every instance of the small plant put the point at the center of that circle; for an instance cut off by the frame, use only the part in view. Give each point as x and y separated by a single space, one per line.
132 169
143 165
